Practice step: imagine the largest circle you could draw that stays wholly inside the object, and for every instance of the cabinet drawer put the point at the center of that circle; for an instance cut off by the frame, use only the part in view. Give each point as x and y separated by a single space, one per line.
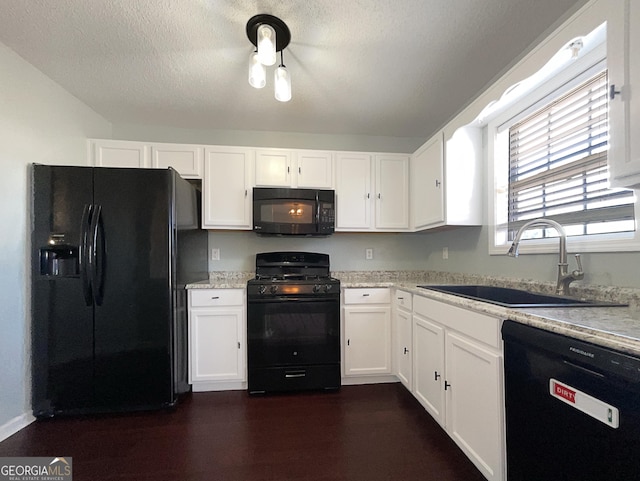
367 295
403 299
476 325
216 297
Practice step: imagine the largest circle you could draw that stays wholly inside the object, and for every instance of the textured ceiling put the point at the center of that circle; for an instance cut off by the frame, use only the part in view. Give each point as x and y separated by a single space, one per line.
397 68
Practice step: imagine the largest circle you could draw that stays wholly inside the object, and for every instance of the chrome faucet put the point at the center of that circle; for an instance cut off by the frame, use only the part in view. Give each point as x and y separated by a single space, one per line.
564 278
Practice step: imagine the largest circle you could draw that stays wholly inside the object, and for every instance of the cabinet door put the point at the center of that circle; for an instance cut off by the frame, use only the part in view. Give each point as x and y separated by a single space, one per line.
623 62
217 351
367 338
187 160
314 169
392 192
428 366
426 193
404 347
353 192
116 153
273 168
475 415
226 188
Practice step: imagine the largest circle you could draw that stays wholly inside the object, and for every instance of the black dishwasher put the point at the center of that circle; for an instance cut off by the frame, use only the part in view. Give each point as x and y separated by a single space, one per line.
572 408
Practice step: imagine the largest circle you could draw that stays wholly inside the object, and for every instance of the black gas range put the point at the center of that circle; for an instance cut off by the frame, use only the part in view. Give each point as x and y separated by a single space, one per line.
293 323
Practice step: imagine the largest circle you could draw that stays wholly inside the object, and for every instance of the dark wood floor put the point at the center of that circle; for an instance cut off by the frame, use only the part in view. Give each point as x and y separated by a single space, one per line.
374 432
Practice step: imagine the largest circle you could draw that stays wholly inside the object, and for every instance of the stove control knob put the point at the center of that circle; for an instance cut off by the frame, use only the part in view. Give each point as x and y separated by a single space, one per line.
274 289
262 289
316 288
327 287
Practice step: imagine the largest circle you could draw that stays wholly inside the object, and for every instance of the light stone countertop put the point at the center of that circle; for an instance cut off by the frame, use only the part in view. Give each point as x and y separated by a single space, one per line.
613 327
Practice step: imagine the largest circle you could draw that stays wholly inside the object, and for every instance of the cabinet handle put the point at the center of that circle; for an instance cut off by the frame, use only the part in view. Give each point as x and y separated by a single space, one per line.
406 350
299 170
436 376
348 342
215 297
446 385
379 196
366 295
613 92
400 298
288 170
368 195
245 192
238 344
437 183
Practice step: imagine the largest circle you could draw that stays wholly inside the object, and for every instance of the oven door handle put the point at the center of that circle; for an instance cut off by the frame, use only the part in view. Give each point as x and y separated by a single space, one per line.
296 299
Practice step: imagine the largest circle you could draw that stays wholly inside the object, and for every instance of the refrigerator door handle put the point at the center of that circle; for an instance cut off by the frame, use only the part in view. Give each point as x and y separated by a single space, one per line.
85 255
97 255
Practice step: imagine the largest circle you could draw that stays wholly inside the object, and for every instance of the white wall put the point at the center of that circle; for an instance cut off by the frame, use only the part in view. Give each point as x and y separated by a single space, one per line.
393 251
39 122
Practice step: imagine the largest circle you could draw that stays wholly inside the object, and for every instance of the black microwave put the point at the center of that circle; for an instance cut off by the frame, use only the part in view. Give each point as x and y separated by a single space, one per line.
282 211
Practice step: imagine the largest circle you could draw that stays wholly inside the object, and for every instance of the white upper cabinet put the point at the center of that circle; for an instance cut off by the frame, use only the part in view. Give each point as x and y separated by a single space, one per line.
294 168
226 188
392 192
623 62
118 153
362 189
314 169
446 180
353 191
273 168
427 192
186 159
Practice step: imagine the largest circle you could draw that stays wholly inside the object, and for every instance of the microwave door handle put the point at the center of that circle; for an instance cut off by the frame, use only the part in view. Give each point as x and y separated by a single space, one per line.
317 212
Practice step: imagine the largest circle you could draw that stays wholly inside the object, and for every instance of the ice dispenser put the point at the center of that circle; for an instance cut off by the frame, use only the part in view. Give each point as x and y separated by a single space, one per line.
59 259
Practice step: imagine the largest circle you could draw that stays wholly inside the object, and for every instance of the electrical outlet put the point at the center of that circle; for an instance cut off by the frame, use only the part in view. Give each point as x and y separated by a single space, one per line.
215 254
445 252
368 253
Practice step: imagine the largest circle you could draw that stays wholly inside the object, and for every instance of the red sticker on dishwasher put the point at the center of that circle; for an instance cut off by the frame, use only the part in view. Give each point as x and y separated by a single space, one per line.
591 406
563 391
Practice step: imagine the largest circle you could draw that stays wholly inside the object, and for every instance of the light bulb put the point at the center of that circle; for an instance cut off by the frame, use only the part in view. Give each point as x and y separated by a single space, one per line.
282 84
266 44
257 72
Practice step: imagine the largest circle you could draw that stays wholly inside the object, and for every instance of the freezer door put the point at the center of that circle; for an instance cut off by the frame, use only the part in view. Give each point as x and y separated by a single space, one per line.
133 314
62 314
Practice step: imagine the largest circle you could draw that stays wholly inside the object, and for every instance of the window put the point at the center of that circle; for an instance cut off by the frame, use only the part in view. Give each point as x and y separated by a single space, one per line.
558 167
547 151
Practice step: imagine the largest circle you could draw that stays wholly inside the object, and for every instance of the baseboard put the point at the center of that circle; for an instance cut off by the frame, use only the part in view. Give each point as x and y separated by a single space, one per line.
204 386
14 425
352 381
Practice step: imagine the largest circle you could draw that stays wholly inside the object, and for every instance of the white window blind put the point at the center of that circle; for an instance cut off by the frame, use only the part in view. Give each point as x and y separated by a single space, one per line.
558 166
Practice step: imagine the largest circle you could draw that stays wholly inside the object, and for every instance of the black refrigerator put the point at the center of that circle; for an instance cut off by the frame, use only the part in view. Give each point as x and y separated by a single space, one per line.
112 250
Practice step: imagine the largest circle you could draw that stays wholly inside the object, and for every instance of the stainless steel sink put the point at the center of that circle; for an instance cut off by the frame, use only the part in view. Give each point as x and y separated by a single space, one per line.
507 297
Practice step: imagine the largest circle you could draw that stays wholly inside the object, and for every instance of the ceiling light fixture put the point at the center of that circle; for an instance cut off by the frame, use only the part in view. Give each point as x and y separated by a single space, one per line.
269 35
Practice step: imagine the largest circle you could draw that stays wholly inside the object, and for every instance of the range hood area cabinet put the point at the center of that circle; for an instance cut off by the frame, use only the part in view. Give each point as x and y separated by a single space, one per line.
446 181
304 169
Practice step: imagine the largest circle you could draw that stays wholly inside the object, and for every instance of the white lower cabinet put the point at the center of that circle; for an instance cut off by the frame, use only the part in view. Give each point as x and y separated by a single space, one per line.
474 403
217 339
367 332
428 366
457 377
403 335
